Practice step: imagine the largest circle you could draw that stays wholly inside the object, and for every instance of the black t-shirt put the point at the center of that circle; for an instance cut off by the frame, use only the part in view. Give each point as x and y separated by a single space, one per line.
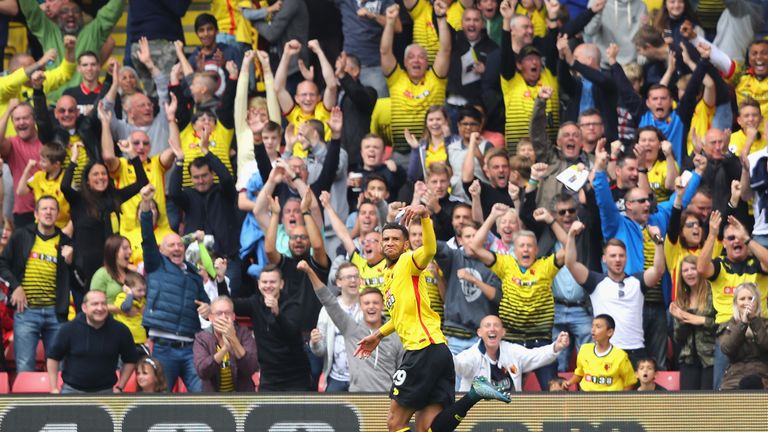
501 379
490 195
298 288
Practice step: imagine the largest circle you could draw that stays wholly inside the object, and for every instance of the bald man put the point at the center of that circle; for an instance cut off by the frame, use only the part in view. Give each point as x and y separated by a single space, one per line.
586 85
175 298
16 151
723 167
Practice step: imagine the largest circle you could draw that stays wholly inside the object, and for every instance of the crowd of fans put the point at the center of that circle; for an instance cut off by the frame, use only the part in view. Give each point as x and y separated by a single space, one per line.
596 173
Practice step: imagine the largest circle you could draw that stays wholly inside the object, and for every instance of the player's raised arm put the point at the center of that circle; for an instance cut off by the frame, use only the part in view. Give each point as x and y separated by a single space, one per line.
424 254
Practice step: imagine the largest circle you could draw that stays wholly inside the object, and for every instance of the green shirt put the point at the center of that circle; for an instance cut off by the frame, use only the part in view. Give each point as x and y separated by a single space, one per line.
102 281
91 37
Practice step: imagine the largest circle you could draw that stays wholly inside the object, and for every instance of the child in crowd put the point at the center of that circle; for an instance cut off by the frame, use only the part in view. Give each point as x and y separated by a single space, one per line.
525 149
150 377
646 375
131 304
47 181
600 366
558 384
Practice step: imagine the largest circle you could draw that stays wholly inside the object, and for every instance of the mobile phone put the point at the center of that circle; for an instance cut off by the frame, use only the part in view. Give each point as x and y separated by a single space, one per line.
399 216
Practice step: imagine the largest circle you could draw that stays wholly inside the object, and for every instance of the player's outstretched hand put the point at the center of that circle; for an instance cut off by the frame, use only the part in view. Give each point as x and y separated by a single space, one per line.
366 346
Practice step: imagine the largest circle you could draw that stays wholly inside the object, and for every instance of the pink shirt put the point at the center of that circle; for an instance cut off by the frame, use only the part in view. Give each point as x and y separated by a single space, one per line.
16 158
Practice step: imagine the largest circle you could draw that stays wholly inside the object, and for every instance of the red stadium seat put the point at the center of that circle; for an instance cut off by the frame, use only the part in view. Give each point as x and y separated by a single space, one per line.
5 388
130 386
10 355
669 380
531 383
244 321
32 382
256 378
179 387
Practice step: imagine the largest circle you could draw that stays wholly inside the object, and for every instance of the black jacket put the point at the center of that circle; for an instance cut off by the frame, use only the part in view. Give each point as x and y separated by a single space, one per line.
357 105
483 47
604 93
213 211
13 263
88 128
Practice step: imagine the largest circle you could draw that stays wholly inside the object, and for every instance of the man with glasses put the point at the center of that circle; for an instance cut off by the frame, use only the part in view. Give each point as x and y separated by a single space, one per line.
592 129
567 152
470 121
225 353
632 229
618 292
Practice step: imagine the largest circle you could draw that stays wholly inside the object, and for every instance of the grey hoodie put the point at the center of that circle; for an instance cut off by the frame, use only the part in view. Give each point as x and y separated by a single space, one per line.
617 23
373 374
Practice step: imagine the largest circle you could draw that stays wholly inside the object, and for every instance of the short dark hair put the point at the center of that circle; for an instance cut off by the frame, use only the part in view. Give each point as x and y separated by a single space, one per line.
46 197
609 321
54 152
133 278
273 127
272 268
198 163
658 86
624 158
395 226
589 112
647 35
206 18
374 177
614 242
648 360
88 53
471 112
460 205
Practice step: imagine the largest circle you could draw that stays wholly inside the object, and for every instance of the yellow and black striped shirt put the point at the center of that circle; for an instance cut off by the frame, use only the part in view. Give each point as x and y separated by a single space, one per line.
82 159
226 384
518 107
410 103
39 281
425 28
527 307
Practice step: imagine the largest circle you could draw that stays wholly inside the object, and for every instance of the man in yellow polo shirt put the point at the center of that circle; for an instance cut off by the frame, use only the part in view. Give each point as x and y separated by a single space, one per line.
413 90
424 382
306 104
753 83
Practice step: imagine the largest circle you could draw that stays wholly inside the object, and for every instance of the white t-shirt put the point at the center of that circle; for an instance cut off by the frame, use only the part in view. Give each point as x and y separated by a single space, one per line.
623 301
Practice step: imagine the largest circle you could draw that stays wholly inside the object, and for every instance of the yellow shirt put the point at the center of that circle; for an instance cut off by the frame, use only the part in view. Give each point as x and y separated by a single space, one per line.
219 144
453 15
407 300
727 277
538 18
610 372
527 307
410 103
231 21
296 117
226 383
674 254
433 155
124 176
134 236
435 300
653 5
757 89
657 177
739 138
381 120
14 86
39 279
41 185
518 106
701 122
132 322
424 30
82 159
372 276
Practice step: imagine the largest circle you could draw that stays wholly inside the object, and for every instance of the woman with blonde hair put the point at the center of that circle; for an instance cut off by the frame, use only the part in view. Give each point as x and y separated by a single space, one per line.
694 327
744 339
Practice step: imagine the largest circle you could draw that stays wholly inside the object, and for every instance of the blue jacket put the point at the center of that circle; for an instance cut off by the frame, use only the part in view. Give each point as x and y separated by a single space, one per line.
616 225
171 291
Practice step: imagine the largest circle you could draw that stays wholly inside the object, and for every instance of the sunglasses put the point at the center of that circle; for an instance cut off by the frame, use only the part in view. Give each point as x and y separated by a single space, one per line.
299 237
562 212
692 224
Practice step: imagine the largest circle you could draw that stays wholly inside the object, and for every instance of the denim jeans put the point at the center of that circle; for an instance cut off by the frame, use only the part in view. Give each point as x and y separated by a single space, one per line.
457 344
374 77
333 386
544 373
721 364
178 362
28 328
655 330
577 321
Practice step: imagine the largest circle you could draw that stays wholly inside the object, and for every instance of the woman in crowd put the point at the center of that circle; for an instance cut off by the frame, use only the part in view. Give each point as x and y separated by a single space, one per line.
111 276
96 210
654 154
694 327
432 146
744 339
